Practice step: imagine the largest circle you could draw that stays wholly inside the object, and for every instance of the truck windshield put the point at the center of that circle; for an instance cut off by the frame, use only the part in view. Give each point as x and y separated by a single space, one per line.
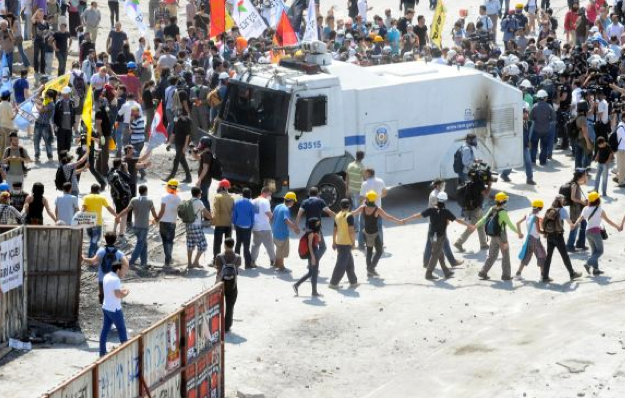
256 108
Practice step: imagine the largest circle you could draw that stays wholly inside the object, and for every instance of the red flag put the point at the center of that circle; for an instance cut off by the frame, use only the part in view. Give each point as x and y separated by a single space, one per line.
218 17
158 132
285 35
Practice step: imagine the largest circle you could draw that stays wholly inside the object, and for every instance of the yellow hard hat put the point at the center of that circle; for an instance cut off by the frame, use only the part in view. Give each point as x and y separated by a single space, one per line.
378 39
299 53
501 197
173 183
594 195
290 196
519 5
538 204
371 196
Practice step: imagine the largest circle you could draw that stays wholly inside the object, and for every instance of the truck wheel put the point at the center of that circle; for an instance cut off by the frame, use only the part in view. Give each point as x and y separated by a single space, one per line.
332 190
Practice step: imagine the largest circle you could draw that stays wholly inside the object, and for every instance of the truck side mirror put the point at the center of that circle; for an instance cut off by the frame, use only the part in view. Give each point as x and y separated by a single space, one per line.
304 114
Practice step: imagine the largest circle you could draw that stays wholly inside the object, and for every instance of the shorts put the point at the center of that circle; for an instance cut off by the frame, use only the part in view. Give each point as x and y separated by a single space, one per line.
196 238
282 248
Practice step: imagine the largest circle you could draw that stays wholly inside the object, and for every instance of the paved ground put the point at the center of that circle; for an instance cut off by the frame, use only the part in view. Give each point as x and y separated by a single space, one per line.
401 336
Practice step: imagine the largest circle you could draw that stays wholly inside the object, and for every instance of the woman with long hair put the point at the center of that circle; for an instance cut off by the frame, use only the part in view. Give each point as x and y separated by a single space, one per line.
34 205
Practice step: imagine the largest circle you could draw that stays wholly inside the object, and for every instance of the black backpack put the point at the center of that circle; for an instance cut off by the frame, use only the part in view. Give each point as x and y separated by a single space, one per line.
60 179
228 270
110 258
216 171
458 165
79 84
552 223
565 190
613 140
120 189
469 196
492 226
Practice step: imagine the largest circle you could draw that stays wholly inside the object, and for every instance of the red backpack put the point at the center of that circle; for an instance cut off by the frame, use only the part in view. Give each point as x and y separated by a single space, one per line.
302 249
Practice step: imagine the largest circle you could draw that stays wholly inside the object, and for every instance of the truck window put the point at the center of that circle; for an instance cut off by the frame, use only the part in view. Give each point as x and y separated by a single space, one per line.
311 112
260 109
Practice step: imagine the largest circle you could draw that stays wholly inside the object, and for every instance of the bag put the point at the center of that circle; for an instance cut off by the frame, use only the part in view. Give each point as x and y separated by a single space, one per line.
302 248
228 270
120 190
552 224
213 98
458 165
604 234
110 258
216 170
565 190
613 140
79 84
60 179
185 211
493 227
469 197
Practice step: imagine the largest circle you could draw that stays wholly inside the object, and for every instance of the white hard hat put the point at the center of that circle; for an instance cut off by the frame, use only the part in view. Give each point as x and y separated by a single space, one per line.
512 70
442 196
223 75
512 59
526 84
546 71
66 90
451 54
558 66
542 94
469 64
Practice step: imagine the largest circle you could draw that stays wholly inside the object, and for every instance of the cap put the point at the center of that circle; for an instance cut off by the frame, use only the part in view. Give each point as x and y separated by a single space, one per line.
378 39
501 197
542 94
224 184
173 183
4 187
538 204
66 90
442 196
290 196
594 195
131 65
371 196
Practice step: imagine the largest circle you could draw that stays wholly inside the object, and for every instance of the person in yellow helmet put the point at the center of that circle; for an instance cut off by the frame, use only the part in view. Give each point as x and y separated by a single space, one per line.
281 222
532 245
495 222
594 215
167 216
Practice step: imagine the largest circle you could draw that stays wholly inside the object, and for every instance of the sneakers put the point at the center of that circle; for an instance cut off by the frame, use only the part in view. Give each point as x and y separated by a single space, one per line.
483 276
530 182
546 280
430 276
587 268
576 275
506 278
372 274
457 263
484 247
354 285
449 275
597 272
506 178
570 249
333 287
295 289
518 276
458 246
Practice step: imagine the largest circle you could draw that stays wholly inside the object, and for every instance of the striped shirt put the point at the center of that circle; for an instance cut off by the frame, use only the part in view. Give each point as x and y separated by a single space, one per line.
137 130
9 215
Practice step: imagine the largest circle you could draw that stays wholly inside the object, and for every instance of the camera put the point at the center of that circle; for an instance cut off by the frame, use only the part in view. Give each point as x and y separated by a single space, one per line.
482 172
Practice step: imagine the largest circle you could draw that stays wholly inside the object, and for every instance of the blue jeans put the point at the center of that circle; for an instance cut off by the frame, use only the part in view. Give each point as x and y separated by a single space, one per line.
596 249
205 186
167 231
9 56
543 138
112 318
582 160
61 56
43 131
23 56
94 234
169 114
551 139
529 166
141 247
602 173
449 254
581 241
118 137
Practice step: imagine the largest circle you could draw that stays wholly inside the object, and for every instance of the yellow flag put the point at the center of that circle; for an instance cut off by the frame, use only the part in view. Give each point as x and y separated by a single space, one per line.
87 114
57 84
438 23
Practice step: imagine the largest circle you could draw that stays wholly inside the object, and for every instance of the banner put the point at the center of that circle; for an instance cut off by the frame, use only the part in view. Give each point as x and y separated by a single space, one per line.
438 24
158 132
218 17
87 114
311 33
248 19
134 13
11 263
285 35
57 84
84 219
26 114
272 11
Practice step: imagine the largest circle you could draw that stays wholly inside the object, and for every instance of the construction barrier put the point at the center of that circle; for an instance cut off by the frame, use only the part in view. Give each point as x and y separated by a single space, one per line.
13 282
181 356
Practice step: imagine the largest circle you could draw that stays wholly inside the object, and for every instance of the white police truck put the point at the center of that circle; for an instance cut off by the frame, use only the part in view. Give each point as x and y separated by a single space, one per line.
299 124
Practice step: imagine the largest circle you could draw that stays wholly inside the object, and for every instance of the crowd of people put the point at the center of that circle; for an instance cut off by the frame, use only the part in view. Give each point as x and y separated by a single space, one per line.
571 85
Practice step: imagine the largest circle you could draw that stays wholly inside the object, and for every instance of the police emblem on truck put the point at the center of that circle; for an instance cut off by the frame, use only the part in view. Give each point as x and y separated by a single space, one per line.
382 138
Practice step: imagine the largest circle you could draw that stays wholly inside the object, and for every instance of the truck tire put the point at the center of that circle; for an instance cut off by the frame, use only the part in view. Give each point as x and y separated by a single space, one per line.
332 190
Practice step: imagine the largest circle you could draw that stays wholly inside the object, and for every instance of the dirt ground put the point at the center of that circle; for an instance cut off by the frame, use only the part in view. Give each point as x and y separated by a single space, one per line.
397 336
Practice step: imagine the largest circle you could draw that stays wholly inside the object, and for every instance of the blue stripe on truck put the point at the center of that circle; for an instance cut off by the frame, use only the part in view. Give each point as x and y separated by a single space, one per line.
424 130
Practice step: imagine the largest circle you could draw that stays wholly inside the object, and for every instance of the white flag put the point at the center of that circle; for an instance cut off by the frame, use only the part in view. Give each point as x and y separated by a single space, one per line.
134 12
311 32
272 11
247 18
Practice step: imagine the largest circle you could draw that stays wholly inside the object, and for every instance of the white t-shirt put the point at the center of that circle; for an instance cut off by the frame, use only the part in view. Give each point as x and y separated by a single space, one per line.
171 203
620 136
98 82
602 107
362 9
373 184
126 108
528 221
111 283
595 220
198 208
261 221
67 205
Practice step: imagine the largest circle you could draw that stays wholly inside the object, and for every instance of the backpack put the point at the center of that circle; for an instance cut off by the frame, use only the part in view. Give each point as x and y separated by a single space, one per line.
228 270
565 190
7 153
60 179
551 222
79 84
458 165
185 211
216 170
469 197
302 248
110 258
613 140
492 226
120 189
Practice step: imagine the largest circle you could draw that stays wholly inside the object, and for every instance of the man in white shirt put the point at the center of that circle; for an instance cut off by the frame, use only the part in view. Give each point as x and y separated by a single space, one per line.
615 29
99 79
112 306
167 217
261 231
66 205
620 154
487 23
603 116
362 9
372 183
124 113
